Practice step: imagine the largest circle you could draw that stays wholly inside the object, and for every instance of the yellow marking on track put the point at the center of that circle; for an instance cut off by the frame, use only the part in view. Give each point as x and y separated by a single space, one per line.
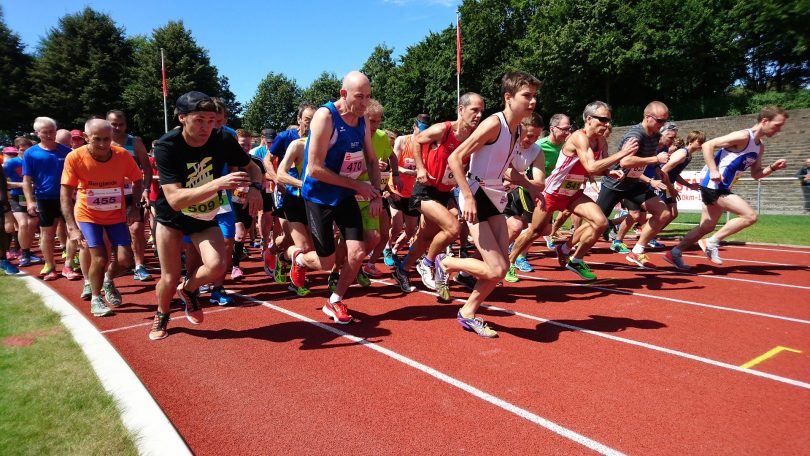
769 354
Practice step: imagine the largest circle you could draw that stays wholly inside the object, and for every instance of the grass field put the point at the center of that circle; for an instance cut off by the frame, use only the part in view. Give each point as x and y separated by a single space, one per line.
51 401
770 229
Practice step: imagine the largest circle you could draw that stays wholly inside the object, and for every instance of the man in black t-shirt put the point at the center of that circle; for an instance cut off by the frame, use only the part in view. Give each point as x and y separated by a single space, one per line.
190 161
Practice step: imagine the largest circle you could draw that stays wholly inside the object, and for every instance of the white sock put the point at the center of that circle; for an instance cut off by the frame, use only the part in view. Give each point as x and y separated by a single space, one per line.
638 249
300 261
107 278
575 260
334 298
712 241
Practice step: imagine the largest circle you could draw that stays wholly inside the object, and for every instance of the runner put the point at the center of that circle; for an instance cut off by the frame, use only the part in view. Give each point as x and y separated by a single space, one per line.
244 220
559 129
8 225
76 139
631 188
42 172
338 150
679 159
26 225
738 151
134 145
433 190
268 204
583 155
190 161
99 172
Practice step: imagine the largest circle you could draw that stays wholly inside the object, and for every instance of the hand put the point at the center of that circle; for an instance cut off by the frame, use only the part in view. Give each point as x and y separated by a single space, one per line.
75 235
616 174
694 186
367 191
254 201
673 192
663 157
630 147
397 182
470 211
421 175
145 200
715 176
375 207
232 181
658 185
32 209
382 165
779 164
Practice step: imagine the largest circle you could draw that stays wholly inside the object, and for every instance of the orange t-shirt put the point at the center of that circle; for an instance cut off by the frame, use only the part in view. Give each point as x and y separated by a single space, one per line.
100 196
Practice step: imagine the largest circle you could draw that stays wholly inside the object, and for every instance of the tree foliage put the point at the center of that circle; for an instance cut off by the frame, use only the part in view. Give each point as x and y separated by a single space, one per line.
81 68
325 87
15 115
274 105
379 68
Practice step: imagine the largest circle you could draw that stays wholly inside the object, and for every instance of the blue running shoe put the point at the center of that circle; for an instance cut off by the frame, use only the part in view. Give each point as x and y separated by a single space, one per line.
523 264
388 258
141 274
8 268
220 297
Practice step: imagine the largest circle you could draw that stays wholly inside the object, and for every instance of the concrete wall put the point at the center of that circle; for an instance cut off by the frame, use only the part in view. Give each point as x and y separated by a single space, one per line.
792 143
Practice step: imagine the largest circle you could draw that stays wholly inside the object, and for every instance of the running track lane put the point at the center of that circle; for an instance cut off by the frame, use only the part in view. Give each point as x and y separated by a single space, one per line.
256 375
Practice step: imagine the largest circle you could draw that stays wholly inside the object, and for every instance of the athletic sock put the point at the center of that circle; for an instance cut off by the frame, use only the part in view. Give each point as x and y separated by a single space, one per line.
575 260
299 261
334 298
238 249
712 241
638 249
427 262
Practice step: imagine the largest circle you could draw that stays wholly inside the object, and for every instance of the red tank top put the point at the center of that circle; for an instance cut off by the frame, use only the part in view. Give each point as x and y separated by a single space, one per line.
406 161
439 175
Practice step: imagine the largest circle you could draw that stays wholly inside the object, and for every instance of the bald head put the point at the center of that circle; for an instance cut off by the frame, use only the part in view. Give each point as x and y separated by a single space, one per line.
355 80
94 126
656 108
354 95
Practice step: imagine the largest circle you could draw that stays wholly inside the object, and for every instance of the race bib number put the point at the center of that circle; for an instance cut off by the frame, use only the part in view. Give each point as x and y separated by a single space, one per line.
448 178
205 210
354 163
127 187
635 173
104 199
571 185
384 177
410 163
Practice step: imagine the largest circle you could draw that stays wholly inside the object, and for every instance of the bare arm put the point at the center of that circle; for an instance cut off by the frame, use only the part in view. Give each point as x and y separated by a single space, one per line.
487 132
269 169
433 134
319 134
66 202
179 197
28 191
734 140
583 149
143 159
294 154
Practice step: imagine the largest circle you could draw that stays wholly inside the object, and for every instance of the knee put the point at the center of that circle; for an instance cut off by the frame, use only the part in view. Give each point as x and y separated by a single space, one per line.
751 218
217 269
327 262
496 271
454 230
356 254
600 225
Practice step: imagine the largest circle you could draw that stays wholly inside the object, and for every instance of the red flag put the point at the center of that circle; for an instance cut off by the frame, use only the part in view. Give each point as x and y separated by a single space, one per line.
163 74
458 44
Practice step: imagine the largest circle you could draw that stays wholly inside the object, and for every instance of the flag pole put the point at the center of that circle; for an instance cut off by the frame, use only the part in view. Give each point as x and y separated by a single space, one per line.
165 93
458 56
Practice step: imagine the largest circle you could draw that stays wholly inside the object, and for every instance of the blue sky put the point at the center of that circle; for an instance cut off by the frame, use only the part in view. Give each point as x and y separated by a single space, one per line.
246 39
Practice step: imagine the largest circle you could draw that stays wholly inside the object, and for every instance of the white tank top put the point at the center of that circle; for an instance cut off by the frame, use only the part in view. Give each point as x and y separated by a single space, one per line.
489 164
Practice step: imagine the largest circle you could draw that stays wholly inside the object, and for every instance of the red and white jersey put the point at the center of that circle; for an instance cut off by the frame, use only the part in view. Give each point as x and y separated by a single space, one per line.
569 175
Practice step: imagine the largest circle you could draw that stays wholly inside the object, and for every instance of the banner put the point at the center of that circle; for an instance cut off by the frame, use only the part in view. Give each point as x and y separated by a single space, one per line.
689 201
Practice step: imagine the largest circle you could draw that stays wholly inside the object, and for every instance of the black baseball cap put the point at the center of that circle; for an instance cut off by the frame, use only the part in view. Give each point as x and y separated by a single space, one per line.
190 101
269 133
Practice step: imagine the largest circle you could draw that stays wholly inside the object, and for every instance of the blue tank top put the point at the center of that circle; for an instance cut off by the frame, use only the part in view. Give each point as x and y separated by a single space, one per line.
344 157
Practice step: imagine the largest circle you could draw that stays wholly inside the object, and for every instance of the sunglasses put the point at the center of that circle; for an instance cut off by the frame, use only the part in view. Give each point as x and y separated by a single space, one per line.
656 119
604 120
566 129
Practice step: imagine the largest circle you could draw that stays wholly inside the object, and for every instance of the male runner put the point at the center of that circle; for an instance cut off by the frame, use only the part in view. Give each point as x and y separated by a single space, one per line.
738 151
559 129
190 161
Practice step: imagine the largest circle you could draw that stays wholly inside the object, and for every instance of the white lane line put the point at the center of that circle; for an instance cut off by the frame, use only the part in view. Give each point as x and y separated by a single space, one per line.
708 276
149 323
509 407
151 430
797 266
772 249
681 354
664 298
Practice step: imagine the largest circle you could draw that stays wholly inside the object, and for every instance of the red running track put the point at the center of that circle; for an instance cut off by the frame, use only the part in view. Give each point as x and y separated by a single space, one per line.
638 362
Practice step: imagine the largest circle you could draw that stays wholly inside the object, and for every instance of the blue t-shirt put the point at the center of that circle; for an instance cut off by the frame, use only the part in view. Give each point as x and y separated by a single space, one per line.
260 152
45 168
12 168
282 142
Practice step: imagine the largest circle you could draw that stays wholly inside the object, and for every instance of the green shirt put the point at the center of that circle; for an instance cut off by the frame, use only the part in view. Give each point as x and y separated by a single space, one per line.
551 152
383 150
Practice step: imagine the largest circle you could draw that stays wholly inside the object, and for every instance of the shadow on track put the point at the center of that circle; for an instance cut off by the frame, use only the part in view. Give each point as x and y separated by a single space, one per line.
550 331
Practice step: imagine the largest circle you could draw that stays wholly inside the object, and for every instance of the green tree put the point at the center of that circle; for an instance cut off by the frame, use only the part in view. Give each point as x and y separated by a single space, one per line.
15 115
188 67
81 68
228 97
325 87
380 69
274 105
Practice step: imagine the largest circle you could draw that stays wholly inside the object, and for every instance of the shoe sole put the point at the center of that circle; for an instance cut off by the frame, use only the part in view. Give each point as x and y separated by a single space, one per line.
467 328
334 318
160 337
672 262
184 300
512 279
578 273
636 262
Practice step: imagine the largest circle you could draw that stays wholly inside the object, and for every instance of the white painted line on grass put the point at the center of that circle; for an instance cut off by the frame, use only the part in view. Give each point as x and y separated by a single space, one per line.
509 407
151 430
657 348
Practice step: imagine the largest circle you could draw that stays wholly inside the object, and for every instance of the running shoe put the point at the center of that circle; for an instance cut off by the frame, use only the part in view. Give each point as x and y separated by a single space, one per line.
388 258
581 269
401 277
370 269
50 275
191 304
441 279
236 273
298 274
523 264
111 294
337 311
549 242
300 291
675 258
98 308
13 254
476 325
619 247
70 274
511 276
76 264
204 288
34 259
332 281
282 268
562 256
654 244
245 255
141 274
159 326
220 297
426 272
8 268
25 261
269 262
711 250
640 260
86 292
362 279
465 280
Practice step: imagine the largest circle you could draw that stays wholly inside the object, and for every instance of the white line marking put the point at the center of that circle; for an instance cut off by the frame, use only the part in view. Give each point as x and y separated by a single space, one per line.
509 407
701 359
151 430
771 249
149 323
747 261
664 298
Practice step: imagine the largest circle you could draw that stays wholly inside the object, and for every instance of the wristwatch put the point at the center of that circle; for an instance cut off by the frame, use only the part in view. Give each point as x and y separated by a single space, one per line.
256 185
